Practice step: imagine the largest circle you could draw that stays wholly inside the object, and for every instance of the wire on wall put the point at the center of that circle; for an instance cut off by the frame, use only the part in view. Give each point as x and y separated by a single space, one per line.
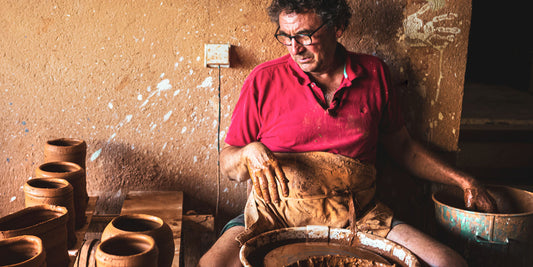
218 146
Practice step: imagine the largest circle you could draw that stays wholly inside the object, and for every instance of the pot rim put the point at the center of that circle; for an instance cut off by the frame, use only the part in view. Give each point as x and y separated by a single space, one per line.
137 216
440 203
76 167
66 143
64 188
139 237
330 234
62 219
30 239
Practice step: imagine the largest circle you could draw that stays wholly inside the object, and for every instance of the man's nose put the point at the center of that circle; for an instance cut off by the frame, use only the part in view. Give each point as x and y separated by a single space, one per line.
295 47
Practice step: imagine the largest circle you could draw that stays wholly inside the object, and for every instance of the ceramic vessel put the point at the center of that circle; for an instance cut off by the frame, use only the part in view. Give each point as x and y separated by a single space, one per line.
22 251
255 252
152 226
503 238
132 250
52 191
75 175
66 149
47 222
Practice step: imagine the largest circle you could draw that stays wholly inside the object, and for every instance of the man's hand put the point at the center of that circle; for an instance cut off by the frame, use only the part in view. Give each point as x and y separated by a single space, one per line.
264 169
477 199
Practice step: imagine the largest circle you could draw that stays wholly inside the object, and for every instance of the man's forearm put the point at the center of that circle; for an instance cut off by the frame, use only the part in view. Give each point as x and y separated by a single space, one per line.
423 163
232 165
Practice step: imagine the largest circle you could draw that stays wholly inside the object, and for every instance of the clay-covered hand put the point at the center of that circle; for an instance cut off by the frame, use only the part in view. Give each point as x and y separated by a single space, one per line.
265 170
477 199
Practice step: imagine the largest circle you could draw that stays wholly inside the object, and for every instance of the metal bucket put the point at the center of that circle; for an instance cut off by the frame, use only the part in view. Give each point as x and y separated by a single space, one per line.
255 252
488 239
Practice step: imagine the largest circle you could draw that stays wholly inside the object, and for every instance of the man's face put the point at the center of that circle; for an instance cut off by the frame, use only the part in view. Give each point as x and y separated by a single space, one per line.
317 57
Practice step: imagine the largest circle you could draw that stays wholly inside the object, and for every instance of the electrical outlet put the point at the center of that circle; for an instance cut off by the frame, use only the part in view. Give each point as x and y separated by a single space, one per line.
217 55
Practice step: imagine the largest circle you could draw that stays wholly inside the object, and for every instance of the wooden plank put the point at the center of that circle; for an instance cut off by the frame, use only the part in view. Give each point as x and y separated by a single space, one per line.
80 233
167 205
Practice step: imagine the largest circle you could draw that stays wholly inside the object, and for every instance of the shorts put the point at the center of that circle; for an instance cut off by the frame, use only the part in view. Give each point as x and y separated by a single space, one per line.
239 221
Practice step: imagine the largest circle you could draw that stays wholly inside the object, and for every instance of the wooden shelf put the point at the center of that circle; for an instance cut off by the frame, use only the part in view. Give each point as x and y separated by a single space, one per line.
496 107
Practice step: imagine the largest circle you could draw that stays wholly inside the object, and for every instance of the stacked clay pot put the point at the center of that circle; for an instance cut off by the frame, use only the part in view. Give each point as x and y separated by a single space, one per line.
52 191
66 149
47 222
75 175
22 251
132 250
146 224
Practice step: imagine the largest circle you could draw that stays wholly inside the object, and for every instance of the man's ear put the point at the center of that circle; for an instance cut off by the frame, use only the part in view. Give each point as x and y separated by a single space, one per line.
339 31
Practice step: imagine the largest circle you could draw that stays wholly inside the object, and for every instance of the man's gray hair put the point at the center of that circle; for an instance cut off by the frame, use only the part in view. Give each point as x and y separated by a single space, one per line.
334 12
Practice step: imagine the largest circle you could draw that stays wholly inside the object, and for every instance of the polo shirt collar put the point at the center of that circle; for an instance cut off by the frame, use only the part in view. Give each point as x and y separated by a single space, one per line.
352 70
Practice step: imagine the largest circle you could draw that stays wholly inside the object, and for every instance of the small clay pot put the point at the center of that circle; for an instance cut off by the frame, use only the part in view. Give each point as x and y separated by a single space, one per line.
132 250
47 222
146 224
66 149
75 175
22 251
53 191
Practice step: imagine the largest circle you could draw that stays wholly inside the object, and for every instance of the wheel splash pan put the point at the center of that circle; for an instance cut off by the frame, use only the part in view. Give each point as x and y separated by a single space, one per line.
254 250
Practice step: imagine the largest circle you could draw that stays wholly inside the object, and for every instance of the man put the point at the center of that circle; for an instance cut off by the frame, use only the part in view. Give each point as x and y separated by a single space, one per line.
305 132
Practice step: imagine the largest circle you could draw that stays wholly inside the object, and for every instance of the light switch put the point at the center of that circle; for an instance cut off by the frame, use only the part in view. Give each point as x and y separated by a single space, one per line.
217 55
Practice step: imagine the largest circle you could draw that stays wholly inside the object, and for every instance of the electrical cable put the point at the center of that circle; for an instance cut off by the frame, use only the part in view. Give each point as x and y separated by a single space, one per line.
218 146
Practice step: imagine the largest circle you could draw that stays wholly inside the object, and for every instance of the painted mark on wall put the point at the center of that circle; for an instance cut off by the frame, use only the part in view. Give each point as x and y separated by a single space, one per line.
164 85
422 32
96 154
208 82
167 116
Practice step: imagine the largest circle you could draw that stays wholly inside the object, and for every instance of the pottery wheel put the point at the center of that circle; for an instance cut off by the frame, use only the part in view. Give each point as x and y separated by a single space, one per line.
318 252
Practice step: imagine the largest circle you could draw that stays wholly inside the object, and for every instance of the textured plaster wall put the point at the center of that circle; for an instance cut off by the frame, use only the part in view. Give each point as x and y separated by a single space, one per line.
128 78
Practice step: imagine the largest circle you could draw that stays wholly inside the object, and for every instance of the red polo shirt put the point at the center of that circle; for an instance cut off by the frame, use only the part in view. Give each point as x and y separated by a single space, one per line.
283 109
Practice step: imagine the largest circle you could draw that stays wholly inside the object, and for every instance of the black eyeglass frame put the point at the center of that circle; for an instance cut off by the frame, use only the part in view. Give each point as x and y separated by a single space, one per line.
301 34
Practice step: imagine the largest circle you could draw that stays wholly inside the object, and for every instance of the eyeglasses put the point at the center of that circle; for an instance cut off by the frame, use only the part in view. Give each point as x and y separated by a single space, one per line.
302 38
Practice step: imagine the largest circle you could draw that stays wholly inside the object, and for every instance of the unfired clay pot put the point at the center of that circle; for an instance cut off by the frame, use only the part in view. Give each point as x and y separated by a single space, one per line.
152 226
75 175
22 251
47 222
52 191
66 149
132 250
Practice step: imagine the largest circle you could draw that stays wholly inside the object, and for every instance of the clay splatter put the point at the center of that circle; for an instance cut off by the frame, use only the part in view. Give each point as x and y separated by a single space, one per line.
96 154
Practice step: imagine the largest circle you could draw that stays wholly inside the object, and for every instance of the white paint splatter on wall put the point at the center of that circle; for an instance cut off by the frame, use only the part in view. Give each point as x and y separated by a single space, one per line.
164 85
208 82
167 116
96 154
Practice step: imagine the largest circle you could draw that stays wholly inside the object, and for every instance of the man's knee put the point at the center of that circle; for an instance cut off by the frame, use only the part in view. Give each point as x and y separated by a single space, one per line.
425 247
225 251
